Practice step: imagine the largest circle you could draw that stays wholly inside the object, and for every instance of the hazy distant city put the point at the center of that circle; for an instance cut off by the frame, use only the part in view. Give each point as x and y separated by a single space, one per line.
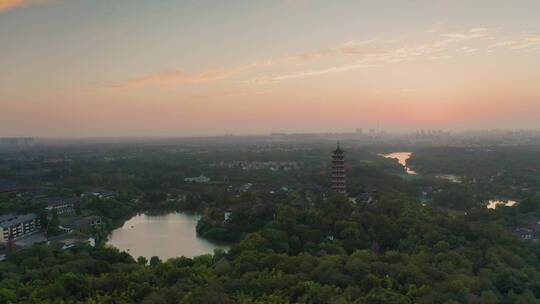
359 136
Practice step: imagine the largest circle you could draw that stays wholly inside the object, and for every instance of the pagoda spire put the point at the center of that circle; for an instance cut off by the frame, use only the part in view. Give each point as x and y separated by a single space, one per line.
338 171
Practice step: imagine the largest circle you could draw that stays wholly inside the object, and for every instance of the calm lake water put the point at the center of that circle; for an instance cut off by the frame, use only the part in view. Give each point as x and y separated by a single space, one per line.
402 158
166 236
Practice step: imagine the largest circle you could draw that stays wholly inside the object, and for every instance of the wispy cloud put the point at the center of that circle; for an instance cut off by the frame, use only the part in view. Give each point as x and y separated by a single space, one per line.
225 95
178 76
353 55
372 53
11 4
304 74
520 43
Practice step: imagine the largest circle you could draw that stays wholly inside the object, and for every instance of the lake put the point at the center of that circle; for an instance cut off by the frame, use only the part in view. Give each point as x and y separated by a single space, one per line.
402 158
166 236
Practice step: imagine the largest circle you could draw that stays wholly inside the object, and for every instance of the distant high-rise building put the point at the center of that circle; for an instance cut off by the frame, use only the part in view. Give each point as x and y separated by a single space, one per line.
338 171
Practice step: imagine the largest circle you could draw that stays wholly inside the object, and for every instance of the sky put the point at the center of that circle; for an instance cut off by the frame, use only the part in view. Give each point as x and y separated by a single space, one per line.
79 68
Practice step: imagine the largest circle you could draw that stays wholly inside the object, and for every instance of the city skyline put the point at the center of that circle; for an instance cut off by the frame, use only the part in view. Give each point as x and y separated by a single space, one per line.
74 68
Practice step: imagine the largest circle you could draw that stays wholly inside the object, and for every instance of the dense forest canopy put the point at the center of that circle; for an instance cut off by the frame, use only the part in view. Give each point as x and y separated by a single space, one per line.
394 252
419 239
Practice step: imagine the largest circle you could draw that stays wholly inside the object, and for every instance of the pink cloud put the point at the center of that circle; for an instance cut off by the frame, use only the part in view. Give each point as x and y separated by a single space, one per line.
358 55
11 4
179 76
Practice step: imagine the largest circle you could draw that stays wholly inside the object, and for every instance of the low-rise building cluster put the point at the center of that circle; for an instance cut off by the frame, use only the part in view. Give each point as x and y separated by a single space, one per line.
22 230
201 179
100 194
261 165
529 230
13 226
60 205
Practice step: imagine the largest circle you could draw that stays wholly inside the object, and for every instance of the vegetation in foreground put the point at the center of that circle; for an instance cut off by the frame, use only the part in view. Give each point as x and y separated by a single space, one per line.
395 251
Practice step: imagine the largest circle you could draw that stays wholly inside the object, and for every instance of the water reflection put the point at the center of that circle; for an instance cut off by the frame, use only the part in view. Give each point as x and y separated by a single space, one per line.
166 236
402 158
492 204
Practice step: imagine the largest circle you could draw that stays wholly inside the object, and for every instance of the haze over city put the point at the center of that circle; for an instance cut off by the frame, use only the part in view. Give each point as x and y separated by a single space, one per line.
73 68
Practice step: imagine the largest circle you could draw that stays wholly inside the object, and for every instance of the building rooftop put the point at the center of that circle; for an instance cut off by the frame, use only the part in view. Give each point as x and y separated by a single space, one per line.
101 191
7 217
31 239
12 219
56 200
69 238
9 186
85 221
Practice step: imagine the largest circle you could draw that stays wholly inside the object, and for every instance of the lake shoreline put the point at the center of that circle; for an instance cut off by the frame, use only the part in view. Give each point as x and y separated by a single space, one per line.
166 234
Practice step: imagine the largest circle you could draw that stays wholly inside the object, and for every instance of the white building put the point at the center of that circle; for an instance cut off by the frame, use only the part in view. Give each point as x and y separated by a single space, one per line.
69 240
14 226
101 194
62 205
199 179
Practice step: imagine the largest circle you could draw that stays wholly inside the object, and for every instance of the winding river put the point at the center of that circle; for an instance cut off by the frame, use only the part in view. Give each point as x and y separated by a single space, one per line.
402 158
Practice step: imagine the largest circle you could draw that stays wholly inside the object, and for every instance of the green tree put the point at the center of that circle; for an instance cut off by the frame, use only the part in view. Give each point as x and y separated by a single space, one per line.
154 261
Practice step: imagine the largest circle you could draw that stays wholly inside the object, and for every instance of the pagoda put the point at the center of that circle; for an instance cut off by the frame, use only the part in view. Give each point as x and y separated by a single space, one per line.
339 184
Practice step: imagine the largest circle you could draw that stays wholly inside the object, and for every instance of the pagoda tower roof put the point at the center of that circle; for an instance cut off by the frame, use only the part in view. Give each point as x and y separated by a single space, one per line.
338 149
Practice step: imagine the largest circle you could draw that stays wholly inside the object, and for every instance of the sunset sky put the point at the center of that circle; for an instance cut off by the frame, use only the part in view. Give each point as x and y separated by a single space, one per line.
168 68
